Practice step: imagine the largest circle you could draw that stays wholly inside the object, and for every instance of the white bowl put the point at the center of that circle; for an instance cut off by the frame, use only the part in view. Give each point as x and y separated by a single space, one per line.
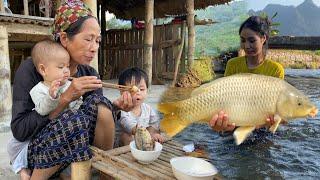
191 168
145 157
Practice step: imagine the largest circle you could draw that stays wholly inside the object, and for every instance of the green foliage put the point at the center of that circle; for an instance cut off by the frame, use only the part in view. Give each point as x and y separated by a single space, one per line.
273 31
115 23
222 36
317 52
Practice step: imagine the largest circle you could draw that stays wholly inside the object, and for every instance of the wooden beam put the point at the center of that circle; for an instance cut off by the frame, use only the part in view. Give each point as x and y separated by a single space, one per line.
26 28
2 7
5 84
26 7
191 31
93 6
16 38
148 39
31 18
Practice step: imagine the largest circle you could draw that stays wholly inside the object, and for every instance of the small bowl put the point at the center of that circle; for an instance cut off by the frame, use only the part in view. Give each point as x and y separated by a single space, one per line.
145 157
191 168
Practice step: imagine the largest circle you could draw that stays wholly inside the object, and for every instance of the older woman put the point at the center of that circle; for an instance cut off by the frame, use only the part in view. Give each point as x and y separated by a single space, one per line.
64 136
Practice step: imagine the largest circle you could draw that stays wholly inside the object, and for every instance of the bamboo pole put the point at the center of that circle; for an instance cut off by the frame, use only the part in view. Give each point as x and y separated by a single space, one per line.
191 31
148 39
5 85
81 170
92 4
178 58
25 7
2 6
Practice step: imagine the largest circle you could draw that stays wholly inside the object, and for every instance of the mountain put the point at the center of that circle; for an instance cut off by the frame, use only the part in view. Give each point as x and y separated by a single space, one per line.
303 20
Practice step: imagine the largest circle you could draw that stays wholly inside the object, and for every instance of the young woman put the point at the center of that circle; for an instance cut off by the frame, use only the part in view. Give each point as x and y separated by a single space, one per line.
254 35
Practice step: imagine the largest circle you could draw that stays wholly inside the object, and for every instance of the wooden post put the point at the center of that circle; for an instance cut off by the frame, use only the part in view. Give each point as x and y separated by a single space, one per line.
5 85
177 60
148 39
191 31
81 170
26 7
47 8
102 59
2 7
183 62
93 6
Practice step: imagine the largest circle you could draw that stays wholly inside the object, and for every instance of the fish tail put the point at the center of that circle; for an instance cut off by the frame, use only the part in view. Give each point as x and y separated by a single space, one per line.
168 108
172 125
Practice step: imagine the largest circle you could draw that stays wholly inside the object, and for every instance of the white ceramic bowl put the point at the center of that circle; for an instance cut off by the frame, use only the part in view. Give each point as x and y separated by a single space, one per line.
191 168
145 157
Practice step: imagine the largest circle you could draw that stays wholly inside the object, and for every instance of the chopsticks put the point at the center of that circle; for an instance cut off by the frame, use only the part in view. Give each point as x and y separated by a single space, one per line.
131 89
116 86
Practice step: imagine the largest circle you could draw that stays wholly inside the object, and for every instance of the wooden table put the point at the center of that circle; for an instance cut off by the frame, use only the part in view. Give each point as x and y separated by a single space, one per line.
120 164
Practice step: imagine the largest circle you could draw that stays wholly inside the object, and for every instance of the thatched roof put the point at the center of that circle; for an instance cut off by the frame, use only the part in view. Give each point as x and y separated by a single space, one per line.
127 9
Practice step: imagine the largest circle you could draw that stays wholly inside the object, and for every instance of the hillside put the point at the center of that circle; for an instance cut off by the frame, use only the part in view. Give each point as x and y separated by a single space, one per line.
222 36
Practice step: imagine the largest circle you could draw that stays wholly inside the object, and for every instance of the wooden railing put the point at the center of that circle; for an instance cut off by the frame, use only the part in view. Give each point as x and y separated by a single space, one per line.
124 48
38 8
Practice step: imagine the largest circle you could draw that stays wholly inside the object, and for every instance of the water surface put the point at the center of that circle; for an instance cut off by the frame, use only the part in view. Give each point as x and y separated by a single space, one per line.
293 152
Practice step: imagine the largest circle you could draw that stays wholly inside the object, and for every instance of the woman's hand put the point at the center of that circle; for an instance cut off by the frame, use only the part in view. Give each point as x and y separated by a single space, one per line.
126 102
220 122
270 121
80 86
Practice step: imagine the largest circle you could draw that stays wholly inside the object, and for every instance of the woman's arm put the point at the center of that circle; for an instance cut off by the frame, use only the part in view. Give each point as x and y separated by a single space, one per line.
25 122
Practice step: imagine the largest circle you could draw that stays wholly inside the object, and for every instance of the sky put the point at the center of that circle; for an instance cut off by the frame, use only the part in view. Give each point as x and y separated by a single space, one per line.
260 4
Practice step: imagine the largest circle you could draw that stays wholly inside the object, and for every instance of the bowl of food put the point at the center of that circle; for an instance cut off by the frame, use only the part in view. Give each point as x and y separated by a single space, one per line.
145 157
191 168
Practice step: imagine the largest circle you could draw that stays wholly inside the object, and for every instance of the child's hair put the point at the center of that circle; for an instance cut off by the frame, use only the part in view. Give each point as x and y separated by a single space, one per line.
135 74
259 25
46 49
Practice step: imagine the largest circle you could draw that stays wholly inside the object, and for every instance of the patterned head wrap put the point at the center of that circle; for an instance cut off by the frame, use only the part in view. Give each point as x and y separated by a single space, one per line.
68 13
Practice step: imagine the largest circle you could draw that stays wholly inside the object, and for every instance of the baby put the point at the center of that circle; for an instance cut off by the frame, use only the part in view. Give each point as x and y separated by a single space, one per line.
142 114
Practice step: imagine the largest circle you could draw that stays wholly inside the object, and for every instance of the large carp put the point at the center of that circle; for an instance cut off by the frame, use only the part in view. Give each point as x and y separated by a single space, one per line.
247 99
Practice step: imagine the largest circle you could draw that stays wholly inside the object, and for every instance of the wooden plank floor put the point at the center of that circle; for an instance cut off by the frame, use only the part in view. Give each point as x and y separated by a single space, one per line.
120 164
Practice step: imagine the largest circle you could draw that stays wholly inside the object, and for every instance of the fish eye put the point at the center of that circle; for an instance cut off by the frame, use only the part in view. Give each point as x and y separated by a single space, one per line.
299 103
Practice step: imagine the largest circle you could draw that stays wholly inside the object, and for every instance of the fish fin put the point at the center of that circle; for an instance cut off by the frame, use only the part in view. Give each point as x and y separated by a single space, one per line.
168 108
274 127
241 133
172 125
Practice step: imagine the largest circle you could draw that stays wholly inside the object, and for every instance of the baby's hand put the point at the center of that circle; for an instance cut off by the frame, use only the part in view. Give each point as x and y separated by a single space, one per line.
53 90
157 137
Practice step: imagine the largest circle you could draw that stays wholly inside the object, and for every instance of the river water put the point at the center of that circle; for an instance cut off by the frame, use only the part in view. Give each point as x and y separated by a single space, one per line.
293 152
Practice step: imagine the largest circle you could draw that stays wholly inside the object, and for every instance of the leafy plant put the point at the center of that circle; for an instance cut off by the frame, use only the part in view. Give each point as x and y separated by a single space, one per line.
273 30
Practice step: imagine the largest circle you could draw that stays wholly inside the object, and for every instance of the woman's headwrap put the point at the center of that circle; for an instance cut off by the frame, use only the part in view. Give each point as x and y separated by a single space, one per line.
68 13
